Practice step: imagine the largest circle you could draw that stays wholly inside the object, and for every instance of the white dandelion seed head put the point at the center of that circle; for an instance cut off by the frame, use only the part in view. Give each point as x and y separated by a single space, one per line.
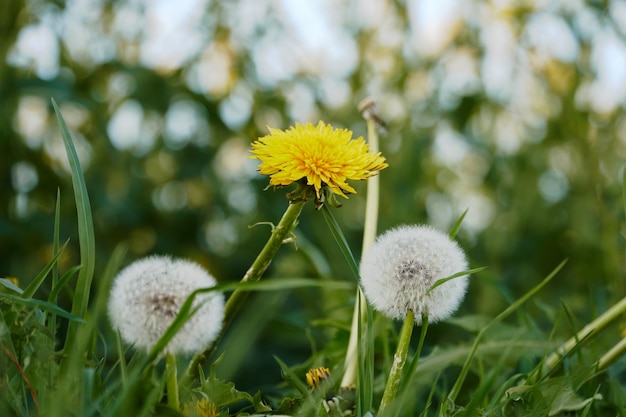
147 295
401 266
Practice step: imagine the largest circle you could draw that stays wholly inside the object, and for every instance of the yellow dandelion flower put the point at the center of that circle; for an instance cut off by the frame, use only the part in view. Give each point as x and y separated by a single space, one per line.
320 155
314 377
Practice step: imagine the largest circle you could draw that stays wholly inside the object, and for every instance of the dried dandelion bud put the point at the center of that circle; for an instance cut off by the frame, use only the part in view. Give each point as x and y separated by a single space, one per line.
147 295
401 267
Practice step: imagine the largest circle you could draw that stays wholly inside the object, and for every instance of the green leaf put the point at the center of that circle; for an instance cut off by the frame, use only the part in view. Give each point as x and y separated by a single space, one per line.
568 401
223 393
10 286
259 405
85 231
335 230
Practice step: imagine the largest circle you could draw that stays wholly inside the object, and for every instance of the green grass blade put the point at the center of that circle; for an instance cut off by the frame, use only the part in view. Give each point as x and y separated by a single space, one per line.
187 309
279 284
85 231
43 305
335 230
11 286
457 225
52 322
458 274
456 388
55 238
54 293
30 290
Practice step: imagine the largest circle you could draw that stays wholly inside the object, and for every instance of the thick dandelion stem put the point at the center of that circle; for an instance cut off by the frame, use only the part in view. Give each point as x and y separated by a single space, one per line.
171 375
263 260
369 236
399 359
279 233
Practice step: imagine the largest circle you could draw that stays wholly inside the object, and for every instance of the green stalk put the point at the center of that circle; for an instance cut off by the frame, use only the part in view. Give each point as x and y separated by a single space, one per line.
418 352
171 376
236 300
587 332
399 359
86 236
369 236
373 192
612 355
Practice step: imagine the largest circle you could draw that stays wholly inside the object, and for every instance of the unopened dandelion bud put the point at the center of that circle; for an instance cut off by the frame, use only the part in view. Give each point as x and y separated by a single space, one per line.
147 296
400 269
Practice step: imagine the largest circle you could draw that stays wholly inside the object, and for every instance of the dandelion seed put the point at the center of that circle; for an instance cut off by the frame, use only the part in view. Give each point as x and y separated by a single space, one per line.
147 295
404 263
320 156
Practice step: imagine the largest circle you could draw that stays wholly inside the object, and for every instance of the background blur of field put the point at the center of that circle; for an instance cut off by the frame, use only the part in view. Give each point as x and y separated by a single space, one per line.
513 110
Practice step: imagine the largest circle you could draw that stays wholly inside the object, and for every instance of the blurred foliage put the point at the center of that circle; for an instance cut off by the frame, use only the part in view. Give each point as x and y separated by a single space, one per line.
534 151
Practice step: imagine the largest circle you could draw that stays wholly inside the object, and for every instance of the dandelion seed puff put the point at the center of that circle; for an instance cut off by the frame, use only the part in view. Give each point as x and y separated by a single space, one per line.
147 295
402 265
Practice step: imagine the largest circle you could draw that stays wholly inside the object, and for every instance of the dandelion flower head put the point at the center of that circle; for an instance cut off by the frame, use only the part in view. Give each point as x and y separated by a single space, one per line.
147 295
404 263
321 155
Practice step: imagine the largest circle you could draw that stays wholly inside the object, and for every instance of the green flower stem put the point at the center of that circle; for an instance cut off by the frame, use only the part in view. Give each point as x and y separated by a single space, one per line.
587 332
172 381
399 359
612 355
373 192
279 233
418 352
369 236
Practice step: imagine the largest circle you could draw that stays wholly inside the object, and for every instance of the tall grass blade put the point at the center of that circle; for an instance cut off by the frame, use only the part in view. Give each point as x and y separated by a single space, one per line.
52 321
85 231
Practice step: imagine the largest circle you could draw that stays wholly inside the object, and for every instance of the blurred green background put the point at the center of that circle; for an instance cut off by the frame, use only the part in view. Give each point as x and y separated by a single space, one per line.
512 110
